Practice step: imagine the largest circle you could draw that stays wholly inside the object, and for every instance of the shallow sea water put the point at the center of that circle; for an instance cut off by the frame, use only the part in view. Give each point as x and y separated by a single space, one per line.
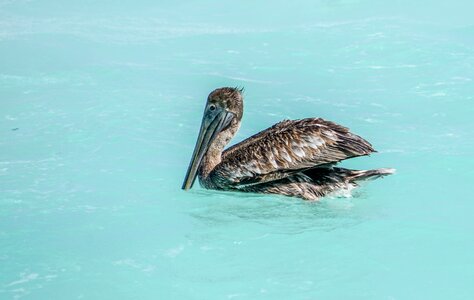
100 104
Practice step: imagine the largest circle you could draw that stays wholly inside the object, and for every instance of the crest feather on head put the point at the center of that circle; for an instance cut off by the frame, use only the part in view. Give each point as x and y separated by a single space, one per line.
229 98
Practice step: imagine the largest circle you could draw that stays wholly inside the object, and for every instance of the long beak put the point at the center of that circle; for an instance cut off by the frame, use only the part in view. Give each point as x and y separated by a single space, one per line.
212 123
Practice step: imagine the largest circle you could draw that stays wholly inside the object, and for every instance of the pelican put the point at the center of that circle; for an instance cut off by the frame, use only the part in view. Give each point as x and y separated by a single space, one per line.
294 158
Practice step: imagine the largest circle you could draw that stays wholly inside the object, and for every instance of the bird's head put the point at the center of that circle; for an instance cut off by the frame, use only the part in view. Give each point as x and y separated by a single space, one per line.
224 109
228 99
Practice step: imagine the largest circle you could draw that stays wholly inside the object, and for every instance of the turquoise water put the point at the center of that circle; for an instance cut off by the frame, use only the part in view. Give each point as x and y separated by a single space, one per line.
100 105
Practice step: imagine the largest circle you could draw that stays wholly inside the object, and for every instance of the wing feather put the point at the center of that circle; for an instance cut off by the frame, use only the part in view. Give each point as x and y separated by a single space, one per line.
286 148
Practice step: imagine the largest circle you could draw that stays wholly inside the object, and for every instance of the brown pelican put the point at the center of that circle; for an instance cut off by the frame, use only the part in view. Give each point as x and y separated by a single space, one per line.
292 158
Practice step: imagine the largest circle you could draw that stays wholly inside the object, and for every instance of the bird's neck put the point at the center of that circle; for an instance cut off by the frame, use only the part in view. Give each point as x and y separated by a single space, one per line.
213 155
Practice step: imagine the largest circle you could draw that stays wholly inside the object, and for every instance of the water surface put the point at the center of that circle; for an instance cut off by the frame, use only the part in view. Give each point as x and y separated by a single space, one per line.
100 105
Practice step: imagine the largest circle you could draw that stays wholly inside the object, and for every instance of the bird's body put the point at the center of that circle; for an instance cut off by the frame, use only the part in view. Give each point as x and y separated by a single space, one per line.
292 158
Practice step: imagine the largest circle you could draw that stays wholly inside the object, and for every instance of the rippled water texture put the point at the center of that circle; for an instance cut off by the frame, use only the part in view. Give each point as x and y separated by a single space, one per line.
100 105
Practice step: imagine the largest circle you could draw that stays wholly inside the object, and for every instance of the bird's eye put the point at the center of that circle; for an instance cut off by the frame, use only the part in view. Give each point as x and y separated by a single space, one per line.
212 107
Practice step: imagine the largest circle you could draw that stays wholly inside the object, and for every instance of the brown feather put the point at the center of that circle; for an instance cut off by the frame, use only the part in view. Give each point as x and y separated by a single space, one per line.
287 148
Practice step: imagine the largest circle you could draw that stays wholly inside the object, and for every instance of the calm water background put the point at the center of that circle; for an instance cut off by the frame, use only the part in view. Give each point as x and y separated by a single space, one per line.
100 104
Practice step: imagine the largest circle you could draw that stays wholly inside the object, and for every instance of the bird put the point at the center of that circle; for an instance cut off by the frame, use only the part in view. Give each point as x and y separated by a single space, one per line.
295 158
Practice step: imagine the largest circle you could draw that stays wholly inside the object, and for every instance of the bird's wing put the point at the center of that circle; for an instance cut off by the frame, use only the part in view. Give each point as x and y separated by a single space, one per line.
286 148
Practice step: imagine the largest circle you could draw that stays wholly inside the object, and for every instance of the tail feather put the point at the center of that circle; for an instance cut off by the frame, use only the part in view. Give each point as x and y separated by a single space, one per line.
312 184
370 174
